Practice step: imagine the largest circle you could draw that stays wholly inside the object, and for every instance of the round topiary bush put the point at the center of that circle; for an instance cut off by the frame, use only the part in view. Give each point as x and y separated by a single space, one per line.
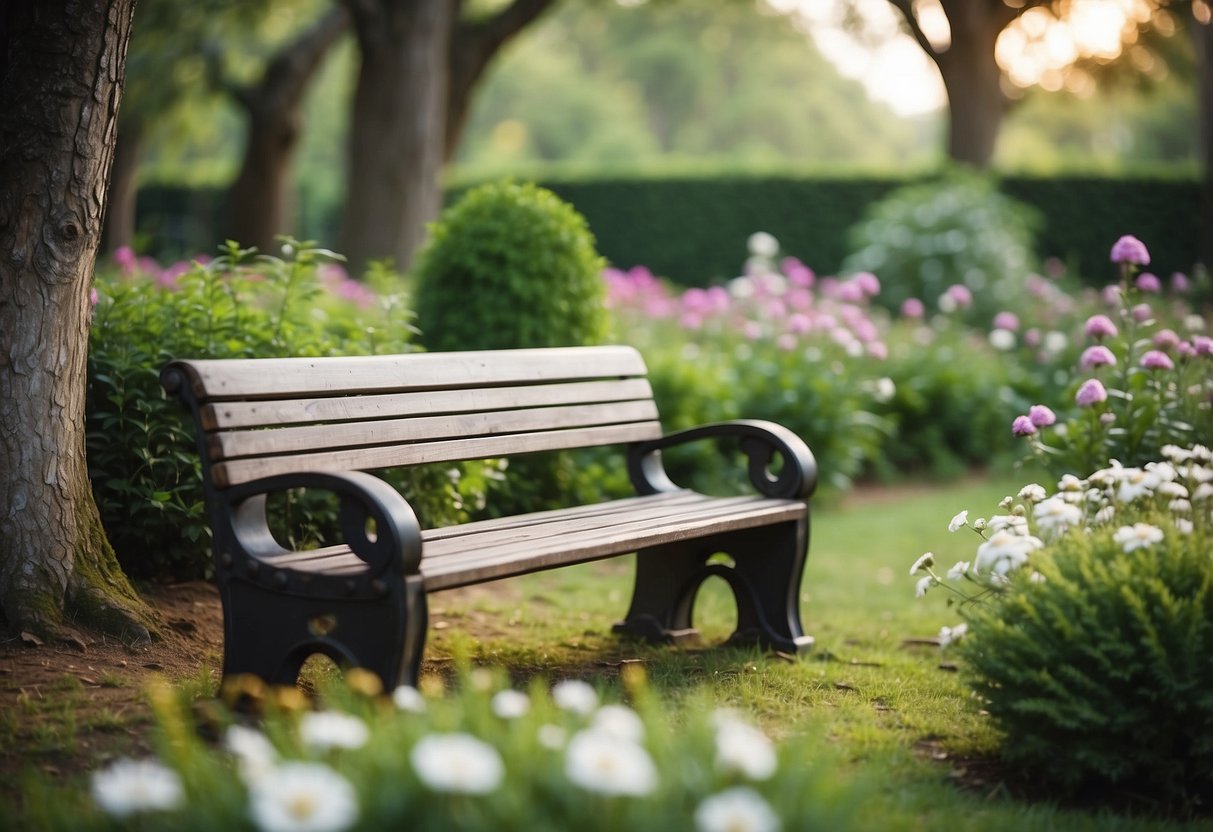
923 239
509 265
1099 670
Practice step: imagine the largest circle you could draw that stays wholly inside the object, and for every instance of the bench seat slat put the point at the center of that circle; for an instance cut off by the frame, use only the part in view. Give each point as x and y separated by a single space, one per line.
270 378
305 439
247 414
501 549
228 473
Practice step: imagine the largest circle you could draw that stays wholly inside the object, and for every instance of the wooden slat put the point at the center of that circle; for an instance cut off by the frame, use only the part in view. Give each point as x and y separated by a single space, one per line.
245 414
226 474
269 378
368 433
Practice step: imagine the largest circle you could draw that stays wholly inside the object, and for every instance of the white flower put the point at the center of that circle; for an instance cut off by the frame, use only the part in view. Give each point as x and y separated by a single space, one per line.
1069 482
951 635
1054 515
575 696
1137 536
1004 552
1002 339
303 797
1135 483
739 809
552 737
1012 523
958 571
321 730
127 787
409 699
1105 515
925 560
959 521
1176 454
762 244
1203 492
1164 471
1180 506
1173 489
255 755
510 704
743 749
1056 341
458 763
603 763
1183 526
1032 493
620 721
920 588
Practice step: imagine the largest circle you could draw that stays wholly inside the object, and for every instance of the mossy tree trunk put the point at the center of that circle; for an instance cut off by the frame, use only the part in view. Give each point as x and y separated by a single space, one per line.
61 75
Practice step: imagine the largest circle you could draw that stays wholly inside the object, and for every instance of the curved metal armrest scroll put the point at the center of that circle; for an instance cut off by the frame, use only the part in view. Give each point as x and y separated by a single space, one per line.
377 523
761 441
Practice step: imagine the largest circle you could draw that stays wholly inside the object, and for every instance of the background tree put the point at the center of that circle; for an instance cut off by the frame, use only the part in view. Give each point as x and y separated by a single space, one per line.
61 73
403 109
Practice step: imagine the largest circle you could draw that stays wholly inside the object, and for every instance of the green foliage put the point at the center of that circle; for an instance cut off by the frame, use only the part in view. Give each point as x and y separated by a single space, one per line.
924 238
1100 674
509 266
142 451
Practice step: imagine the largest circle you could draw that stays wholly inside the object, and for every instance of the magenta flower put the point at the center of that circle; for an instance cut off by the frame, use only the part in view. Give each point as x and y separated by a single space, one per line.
797 273
1129 249
868 282
1100 326
960 293
1157 360
1180 283
1091 392
912 308
1041 416
1022 426
1166 339
1203 344
1148 282
124 256
1186 350
1095 357
1006 320
93 297
1142 312
850 292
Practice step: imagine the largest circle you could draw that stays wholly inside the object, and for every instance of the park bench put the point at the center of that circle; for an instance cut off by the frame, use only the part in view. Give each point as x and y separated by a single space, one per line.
268 425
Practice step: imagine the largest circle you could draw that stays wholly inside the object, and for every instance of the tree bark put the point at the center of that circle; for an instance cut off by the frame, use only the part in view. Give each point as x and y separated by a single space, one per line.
119 228
473 47
397 129
61 74
261 200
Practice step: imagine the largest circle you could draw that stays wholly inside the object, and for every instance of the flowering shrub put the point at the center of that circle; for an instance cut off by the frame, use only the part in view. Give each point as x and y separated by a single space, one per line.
145 472
553 759
1144 378
1088 628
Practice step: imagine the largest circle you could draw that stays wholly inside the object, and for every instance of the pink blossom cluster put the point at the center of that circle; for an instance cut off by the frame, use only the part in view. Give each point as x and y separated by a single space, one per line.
791 306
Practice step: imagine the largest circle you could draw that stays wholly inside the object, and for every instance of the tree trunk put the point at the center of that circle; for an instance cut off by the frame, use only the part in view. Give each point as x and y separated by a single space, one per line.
397 129
261 203
473 47
124 185
61 73
1202 36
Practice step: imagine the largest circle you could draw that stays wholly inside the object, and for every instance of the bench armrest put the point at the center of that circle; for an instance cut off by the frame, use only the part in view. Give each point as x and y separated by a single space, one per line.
760 441
392 543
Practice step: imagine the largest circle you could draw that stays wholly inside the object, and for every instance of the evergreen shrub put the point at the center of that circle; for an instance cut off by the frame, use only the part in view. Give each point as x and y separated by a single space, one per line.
925 238
1100 671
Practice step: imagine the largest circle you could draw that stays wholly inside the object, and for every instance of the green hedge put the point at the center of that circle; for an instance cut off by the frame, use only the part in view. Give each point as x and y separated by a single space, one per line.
693 229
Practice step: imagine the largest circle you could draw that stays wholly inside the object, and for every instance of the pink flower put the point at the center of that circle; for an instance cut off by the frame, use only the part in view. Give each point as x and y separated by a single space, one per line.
1022 426
1180 283
1186 350
1100 326
1091 392
1033 338
799 323
1041 416
1203 344
1096 356
878 350
1111 295
124 256
786 342
1006 320
1142 312
912 308
960 293
1129 249
1166 339
868 282
93 297
797 273
1148 282
850 292
1157 360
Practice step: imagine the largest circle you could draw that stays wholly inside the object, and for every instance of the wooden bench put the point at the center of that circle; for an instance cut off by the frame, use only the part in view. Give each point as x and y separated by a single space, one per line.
266 425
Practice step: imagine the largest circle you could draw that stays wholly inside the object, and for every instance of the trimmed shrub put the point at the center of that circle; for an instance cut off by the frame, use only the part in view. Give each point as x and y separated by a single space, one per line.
509 266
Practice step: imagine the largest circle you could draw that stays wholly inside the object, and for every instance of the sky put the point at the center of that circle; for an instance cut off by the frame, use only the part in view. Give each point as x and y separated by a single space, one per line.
896 71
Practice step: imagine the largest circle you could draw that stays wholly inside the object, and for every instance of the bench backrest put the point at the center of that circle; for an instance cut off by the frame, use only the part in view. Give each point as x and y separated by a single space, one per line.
260 417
